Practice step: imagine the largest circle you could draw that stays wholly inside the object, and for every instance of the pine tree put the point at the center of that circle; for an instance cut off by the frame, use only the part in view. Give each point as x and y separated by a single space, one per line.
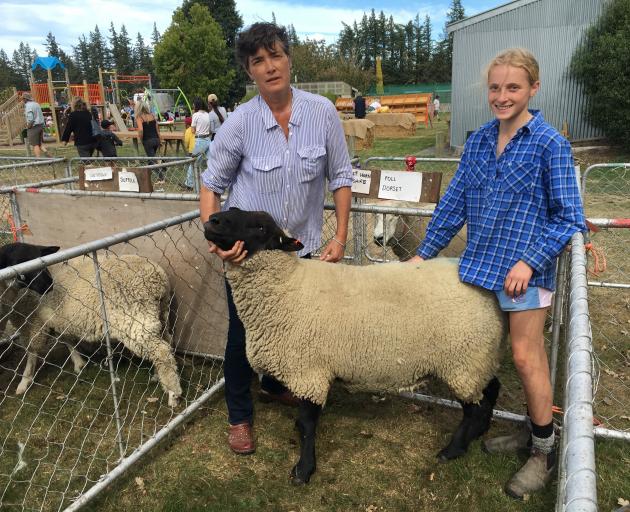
142 62
155 36
99 55
23 58
8 76
121 52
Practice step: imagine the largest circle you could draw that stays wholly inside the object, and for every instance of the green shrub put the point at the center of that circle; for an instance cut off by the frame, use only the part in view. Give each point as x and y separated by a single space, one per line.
601 63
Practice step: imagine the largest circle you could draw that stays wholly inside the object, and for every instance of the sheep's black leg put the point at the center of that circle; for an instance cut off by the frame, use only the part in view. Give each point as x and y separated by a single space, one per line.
475 423
306 424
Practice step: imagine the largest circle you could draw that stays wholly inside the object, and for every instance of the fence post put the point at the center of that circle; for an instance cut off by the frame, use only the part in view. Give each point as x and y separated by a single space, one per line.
557 319
15 212
110 363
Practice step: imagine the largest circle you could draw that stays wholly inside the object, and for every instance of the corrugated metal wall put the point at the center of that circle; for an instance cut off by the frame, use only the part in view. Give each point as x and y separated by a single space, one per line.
551 29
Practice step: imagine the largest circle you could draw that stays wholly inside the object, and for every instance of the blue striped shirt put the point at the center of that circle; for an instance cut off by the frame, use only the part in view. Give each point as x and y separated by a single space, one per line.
265 171
525 205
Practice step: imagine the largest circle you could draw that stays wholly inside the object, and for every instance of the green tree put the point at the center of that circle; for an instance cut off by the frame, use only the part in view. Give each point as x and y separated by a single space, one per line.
54 50
99 55
155 36
21 63
192 54
142 62
225 14
601 63
121 52
8 76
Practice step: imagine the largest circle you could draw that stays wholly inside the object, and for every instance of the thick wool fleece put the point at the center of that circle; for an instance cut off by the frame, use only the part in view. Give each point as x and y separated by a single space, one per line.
137 292
380 327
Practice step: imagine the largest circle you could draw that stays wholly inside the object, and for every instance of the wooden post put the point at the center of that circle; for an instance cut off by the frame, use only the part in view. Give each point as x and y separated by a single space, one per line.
86 94
116 92
101 88
68 90
51 97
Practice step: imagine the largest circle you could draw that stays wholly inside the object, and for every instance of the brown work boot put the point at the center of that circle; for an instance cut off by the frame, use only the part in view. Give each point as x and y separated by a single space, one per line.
241 439
512 443
533 476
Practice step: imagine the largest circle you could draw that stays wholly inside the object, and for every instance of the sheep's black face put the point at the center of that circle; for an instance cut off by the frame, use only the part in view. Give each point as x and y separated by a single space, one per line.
39 281
257 230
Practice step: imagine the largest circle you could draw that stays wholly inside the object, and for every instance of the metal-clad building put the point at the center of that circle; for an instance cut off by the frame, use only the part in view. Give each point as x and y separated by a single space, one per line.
551 30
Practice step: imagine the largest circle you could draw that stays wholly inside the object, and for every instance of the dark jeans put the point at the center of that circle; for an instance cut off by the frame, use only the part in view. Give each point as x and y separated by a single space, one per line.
237 371
151 147
85 150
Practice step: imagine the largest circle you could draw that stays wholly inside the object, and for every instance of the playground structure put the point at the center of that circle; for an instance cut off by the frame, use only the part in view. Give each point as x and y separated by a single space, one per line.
106 95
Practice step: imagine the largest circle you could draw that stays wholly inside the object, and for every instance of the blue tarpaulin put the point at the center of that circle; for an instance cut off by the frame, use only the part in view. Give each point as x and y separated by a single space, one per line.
47 63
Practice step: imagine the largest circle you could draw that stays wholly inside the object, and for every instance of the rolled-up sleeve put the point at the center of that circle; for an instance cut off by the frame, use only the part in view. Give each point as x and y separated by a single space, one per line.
225 155
339 172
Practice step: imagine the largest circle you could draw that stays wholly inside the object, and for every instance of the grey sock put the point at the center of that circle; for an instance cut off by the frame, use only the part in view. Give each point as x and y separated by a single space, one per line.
544 444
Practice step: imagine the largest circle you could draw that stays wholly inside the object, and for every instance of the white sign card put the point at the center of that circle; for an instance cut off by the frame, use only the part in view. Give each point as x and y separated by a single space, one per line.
127 181
400 185
98 174
361 180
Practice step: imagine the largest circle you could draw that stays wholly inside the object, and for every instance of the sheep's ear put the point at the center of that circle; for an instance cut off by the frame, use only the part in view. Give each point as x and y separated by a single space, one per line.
51 249
289 244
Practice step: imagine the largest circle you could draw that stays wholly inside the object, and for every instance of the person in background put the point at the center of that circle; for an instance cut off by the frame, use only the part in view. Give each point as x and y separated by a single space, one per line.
359 106
149 134
274 154
108 140
200 127
517 191
436 107
189 146
34 124
217 115
80 124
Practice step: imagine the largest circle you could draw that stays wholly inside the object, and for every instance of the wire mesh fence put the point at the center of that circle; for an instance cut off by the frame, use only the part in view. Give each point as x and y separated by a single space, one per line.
98 365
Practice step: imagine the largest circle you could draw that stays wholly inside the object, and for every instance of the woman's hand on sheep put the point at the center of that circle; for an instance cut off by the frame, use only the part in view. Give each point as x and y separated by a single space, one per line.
517 279
415 259
235 255
333 252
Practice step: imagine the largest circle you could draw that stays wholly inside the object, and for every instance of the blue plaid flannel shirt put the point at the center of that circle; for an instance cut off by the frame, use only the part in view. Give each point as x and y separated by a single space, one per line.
525 205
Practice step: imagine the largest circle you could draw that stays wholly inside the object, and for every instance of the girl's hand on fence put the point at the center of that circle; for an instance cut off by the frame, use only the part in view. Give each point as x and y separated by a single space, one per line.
517 279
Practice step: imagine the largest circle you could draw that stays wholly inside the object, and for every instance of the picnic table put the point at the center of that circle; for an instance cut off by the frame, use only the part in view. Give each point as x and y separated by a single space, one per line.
167 137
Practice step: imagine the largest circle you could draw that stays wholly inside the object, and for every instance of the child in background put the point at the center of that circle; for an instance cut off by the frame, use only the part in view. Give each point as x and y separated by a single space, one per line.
108 140
436 107
189 146
517 191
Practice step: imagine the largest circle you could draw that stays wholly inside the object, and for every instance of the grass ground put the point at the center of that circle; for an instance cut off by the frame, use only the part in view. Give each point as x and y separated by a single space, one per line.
374 453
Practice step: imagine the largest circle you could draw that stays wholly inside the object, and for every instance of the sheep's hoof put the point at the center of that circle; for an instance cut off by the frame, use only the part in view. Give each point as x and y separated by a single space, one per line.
449 453
23 386
297 479
173 399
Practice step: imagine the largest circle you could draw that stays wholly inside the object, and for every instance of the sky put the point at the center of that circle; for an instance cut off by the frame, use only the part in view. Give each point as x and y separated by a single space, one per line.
30 20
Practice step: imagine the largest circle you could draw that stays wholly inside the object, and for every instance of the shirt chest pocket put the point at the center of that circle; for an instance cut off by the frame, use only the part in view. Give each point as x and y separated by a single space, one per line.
476 176
520 178
267 173
312 162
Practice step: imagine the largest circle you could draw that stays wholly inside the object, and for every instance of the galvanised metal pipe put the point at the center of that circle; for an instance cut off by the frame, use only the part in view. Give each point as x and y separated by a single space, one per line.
504 415
129 461
38 184
110 354
605 433
102 193
608 285
610 223
15 212
38 163
557 318
402 159
580 489
80 250
623 165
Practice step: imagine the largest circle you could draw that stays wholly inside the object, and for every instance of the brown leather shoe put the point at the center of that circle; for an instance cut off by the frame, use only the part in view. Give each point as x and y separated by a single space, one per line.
285 398
241 439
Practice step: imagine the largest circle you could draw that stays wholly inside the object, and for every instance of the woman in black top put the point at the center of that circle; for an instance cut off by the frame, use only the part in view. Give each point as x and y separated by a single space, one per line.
80 123
149 134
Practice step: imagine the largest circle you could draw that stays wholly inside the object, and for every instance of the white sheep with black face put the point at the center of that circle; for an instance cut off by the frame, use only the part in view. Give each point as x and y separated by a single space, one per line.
309 323
64 299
